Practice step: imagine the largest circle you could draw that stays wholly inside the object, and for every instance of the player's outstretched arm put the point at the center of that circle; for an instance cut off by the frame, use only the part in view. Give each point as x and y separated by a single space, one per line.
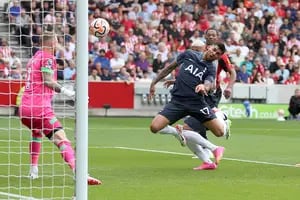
164 72
228 90
50 83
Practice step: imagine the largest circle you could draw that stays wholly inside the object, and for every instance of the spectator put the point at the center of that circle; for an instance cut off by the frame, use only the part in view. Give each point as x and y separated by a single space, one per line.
124 53
106 75
60 69
267 78
262 27
14 59
144 15
296 73
237 57
293 41
161 50
117 62
123 75
94 76
242 75
157 63
282 43
16 70
252 75
258 78
50 17
282 74
119 37
70 70
286 26
5 50
290 81
249 64
242 45
14 12
259 66
230 48
238 26
105 63
132 14
275 65
258 11
150 73
102 44
68 52
130 63
294 105
98 67
142 62
23 27
263 57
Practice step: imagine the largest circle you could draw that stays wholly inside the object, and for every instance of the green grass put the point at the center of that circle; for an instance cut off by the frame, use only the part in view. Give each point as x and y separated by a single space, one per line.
133 173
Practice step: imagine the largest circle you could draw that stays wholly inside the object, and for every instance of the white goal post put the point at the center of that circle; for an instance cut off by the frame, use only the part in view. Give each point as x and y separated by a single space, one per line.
82 100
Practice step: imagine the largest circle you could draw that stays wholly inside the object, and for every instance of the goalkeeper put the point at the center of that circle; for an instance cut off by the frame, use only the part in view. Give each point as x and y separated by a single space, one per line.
36 111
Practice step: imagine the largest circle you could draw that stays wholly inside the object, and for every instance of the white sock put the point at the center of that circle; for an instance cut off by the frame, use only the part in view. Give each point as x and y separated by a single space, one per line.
220 117
198 151
193 136
208 152
169 130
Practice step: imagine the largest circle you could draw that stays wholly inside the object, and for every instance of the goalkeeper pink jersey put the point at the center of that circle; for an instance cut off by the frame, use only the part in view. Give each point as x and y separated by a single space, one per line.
36 100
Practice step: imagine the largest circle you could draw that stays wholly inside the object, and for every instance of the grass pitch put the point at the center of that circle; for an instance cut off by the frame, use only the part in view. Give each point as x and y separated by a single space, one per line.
135 164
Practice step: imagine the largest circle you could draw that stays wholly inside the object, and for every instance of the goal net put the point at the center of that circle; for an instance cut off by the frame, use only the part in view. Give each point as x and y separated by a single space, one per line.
21 26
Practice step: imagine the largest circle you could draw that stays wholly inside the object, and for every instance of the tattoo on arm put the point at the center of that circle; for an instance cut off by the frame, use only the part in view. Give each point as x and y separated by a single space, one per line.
50 83
164 72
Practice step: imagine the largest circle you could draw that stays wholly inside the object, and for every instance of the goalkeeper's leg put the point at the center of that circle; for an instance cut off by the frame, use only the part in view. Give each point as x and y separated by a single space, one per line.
65 147
67 152
34 150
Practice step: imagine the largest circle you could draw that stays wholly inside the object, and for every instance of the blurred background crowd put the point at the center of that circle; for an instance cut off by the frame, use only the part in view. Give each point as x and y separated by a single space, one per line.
262 37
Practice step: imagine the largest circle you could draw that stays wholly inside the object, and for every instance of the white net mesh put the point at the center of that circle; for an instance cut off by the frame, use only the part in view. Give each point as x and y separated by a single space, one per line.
21 23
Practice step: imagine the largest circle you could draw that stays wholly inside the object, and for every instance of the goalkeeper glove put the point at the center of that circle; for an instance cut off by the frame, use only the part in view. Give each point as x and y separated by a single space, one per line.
67 92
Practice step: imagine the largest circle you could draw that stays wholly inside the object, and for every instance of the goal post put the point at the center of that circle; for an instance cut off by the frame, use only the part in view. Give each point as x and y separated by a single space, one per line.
82 100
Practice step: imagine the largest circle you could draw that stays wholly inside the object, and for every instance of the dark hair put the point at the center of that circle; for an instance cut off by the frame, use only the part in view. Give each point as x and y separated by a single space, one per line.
210 29
221 46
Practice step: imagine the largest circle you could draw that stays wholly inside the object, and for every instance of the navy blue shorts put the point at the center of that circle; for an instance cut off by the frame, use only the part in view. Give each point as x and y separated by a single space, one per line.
175 111
213 101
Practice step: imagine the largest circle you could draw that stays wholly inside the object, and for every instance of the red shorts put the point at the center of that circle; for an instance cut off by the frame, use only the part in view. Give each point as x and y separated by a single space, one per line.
47 124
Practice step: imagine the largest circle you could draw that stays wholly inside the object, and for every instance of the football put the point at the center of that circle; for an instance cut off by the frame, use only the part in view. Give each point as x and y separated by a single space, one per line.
99 27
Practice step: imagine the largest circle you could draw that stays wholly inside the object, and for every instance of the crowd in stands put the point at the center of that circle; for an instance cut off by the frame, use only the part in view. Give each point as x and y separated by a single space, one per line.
262 37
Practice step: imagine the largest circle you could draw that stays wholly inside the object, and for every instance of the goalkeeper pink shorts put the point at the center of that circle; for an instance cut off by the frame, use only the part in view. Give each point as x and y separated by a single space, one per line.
47 123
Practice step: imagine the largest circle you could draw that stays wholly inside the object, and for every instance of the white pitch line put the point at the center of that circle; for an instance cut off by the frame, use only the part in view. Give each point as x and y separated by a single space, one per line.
146 128
187 154
17 196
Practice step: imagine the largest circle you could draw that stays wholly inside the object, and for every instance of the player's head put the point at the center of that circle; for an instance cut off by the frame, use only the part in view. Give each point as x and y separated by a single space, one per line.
211 36
48 39
214 52
197 45
49 42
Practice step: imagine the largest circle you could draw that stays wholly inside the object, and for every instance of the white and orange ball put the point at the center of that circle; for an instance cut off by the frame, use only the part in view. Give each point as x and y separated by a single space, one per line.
99 27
